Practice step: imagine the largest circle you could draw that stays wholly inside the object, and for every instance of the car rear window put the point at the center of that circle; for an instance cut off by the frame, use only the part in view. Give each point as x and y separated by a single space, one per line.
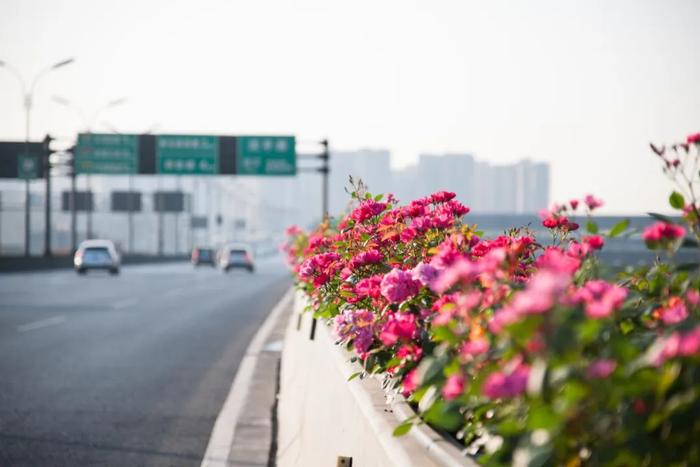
97 249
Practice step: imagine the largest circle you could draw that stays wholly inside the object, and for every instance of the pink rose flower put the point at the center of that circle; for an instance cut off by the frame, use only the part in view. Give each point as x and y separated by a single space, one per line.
425 273
453 388
674 312
398 286
694 138
601 369
594 241
398 326
662 232
500 385
365 258
409 383
592 202
474 347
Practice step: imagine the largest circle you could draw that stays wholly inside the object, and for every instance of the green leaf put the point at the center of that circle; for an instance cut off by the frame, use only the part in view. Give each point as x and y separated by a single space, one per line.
660 217
676 200
618 228
379 197
354 375
402 429
592 227
689 242
444 416
687 267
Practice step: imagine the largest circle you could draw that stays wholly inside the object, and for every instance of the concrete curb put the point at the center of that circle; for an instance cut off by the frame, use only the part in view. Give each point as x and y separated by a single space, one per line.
242 433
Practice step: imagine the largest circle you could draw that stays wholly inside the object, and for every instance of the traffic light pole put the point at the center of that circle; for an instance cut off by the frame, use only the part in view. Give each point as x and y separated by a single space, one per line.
324 170
130 214
73 211
47 220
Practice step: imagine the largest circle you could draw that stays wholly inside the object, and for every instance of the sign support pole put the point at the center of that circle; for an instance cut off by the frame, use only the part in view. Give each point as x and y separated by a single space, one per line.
27 219
324 170
130 214
89 207
47 229
73 211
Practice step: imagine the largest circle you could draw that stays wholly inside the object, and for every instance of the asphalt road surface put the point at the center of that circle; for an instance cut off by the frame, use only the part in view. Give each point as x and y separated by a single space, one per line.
125 371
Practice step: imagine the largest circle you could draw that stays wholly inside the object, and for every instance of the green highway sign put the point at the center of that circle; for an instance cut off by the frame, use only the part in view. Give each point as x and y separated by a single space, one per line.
266 155
114 154
27 166
187 154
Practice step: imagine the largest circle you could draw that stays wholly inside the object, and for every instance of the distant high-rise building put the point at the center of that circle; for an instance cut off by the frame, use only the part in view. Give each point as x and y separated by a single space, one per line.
522 187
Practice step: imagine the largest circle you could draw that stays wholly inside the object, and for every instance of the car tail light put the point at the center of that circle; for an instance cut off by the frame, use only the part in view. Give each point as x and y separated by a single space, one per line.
79 254
248 258
195 254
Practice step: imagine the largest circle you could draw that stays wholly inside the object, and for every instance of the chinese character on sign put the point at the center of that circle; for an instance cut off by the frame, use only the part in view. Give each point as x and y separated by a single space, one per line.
281 145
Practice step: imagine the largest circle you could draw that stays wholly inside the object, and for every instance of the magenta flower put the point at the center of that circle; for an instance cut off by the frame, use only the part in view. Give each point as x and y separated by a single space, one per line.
425 273
679 345
367 209
662 233
365 258
398 285
594 241
601 369
600 298
556 260
474 347
592 202
541 292
500 385
409 383
442 196
398 326
462 270
369 287
674 312
453 388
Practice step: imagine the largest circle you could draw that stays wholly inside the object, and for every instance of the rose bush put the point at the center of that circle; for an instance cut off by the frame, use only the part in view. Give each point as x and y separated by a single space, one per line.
528 353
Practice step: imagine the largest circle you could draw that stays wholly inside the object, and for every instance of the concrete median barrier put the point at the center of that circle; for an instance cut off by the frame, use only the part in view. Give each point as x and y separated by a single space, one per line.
324 419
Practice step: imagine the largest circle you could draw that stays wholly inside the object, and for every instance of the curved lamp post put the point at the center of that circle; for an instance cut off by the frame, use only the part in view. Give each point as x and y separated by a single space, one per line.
28 96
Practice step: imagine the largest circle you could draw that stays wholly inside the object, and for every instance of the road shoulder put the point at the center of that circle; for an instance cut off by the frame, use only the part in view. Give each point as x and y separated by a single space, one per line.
244 432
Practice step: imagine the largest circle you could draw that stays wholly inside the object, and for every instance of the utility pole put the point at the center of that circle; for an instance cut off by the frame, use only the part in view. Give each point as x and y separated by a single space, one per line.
47 167
130 215
324 170
73 210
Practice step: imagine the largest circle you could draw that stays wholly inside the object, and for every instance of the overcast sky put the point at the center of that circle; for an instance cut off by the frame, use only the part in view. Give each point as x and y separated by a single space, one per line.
584 85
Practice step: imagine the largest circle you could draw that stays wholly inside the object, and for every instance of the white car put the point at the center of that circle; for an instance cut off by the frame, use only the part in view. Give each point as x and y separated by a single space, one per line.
97 254
236 255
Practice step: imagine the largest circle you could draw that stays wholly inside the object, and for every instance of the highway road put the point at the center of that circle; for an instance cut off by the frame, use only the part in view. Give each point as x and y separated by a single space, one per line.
125 371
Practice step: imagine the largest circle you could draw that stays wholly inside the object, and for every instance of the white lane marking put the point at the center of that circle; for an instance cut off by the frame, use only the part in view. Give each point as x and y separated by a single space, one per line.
221 438
41 323
125 303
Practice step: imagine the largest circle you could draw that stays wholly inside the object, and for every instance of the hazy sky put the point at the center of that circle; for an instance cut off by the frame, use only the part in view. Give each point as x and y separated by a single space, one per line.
582 84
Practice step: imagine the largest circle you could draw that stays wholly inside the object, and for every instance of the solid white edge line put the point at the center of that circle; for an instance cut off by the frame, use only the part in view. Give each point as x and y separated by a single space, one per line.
41 323
219 446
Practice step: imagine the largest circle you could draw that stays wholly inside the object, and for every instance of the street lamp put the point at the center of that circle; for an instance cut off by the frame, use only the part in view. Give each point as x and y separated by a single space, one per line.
88 123
28 94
